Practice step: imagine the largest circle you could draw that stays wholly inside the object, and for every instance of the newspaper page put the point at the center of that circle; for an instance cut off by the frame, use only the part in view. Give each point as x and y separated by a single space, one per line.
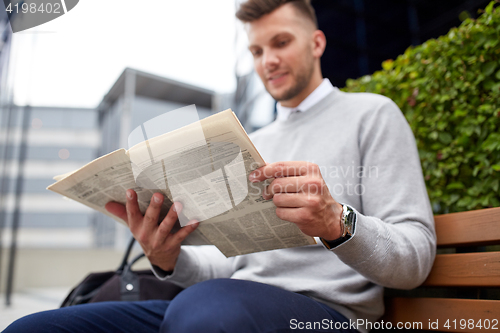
107 179
209 174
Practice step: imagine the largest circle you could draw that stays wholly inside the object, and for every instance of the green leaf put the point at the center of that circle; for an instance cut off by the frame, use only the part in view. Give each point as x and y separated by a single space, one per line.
492 142
464 202
445 138
464 15
460 113
488 68
454 198
488 84
388 64
494 184
455 186
494 202
492 42
496 87
489 8
496 167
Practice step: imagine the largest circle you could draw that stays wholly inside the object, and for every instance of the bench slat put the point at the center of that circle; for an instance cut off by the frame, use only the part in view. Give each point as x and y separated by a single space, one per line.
465 270
478 269
427 310
473 228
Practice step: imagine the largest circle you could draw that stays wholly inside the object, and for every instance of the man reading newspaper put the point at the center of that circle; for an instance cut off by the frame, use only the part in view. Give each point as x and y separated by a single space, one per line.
345 169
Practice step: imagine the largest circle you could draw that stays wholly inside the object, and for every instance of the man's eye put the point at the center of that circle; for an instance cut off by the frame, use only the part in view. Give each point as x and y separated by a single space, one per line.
283 42
256 53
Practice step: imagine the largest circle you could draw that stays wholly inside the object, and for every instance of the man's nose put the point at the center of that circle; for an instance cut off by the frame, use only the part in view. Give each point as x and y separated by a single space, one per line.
270 60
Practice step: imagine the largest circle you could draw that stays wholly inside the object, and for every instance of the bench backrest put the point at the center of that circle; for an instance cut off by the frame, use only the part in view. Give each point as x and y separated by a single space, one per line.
474 271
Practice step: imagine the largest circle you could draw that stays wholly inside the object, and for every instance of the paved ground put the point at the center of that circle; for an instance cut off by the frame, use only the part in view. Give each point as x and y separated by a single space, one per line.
30 301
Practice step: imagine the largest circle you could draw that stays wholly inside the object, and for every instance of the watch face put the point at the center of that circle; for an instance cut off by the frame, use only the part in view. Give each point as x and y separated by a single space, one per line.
349 218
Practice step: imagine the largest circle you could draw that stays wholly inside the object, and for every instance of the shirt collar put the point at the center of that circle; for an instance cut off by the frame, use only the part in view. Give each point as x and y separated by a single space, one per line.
318 94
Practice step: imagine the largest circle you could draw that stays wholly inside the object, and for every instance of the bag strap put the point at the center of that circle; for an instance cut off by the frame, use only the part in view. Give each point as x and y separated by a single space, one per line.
132 262
128 266
126 255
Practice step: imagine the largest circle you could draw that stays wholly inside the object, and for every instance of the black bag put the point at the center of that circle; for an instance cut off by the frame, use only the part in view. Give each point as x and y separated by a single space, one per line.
124 284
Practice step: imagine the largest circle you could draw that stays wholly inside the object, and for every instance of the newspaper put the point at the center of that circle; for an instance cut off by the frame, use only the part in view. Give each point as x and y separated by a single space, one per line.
205 166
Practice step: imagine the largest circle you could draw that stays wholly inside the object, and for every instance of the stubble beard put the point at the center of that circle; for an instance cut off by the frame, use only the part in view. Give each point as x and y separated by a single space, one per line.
303 78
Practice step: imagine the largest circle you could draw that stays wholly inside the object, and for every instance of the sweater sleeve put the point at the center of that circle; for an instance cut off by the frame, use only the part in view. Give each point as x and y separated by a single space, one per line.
395 242
196 264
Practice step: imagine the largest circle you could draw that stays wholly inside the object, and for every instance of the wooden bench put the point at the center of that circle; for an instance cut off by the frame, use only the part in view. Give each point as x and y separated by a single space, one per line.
462 292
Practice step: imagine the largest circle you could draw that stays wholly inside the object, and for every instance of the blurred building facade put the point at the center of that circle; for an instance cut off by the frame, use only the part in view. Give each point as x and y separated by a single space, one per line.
60 140
57 140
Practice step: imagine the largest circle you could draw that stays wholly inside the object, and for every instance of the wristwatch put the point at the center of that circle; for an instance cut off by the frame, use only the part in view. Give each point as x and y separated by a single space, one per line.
348 224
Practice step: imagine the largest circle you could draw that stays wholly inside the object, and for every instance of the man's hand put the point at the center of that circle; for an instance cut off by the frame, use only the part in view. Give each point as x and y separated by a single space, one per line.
160 246
302 197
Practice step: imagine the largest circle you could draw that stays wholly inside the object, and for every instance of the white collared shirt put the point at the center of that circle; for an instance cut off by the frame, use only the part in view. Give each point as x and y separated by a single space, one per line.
318 94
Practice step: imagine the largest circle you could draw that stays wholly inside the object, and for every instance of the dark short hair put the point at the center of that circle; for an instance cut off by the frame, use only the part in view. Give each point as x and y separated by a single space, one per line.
252 10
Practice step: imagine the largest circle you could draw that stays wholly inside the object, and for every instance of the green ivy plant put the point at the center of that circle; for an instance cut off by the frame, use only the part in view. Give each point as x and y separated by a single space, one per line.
449 91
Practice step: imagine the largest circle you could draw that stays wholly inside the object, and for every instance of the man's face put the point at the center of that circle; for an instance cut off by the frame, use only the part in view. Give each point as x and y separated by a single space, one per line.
282 47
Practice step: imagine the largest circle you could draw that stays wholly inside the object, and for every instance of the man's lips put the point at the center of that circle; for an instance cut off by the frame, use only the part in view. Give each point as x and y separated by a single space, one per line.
276 78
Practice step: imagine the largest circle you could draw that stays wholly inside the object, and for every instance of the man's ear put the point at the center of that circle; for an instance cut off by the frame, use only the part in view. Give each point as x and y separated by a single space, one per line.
319 43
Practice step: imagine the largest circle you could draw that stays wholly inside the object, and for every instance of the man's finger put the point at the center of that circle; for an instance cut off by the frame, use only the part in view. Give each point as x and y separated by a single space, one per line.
168 222
117 209
291 200
294 215
180 235
312 185
280 169
134 215
150 221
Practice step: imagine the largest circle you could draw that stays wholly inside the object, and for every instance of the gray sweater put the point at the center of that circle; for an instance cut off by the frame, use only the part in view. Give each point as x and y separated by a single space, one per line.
369 160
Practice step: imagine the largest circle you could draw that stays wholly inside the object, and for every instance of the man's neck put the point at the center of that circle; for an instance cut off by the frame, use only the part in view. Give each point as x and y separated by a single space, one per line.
313 84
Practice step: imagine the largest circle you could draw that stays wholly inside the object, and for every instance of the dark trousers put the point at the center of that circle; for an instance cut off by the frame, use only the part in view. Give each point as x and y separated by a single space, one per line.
221 305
